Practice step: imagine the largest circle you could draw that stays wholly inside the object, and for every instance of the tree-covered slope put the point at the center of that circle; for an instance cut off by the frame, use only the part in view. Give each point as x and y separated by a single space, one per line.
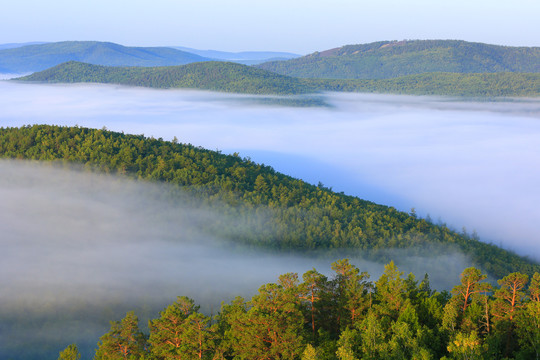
230 77
299 216
211 75
38 57
389 59
450 84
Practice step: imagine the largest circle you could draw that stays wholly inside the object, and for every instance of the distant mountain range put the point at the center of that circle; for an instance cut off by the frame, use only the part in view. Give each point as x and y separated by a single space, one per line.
391 59
31 58
244 57
16 45
419 67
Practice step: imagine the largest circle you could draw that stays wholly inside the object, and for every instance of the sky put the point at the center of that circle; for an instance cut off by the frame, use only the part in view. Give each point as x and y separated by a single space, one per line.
299 26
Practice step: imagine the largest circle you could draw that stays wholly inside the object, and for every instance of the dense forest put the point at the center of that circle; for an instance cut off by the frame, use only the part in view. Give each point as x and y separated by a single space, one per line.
344 317
231 77
299 216
448 84
390 59
212 75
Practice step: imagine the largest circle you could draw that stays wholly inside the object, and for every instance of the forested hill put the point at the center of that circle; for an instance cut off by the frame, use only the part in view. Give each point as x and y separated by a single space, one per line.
484 85
390 59
300 216
39 57
231 77
212 75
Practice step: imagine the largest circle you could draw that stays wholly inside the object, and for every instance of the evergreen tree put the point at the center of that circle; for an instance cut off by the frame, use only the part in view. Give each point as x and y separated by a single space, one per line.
71 352
124 341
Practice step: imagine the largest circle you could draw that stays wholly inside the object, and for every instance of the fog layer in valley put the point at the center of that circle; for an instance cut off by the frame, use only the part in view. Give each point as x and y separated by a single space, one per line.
80 249
469 164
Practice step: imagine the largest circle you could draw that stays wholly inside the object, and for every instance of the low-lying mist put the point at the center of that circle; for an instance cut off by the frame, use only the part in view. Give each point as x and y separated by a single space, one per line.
80 249
467 163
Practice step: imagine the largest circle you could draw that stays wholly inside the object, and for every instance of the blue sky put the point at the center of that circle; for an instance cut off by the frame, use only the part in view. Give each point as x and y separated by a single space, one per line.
299 26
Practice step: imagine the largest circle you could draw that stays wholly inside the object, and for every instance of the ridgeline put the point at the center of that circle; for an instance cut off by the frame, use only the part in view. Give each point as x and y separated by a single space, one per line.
212 75
301 217
37 57
392 59
237 78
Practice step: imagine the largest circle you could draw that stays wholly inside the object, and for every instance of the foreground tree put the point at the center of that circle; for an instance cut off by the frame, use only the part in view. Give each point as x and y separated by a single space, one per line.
182 332
270 326
528 327
124 340
71 352
311 292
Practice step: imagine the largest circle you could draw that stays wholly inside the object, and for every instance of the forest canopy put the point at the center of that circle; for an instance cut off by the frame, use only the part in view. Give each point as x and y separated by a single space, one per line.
346 316
302 217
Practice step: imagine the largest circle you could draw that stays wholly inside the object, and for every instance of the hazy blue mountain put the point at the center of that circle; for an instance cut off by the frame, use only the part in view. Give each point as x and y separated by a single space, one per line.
390 59
32 58
243 57
16 45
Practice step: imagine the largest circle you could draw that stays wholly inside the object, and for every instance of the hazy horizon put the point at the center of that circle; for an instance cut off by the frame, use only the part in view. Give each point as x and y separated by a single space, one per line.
299 27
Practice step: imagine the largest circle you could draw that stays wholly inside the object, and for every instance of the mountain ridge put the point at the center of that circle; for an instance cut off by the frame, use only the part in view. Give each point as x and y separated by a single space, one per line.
390 59
242 57
302 217
31 58
238 78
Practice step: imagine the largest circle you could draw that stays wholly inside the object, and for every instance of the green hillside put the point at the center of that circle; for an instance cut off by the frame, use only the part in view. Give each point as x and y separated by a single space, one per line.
231 77
299 216
212 75
39 57
390 59
449 84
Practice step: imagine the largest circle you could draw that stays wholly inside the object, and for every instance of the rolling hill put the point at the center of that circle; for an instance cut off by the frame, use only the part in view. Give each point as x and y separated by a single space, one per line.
237 78
214 75
38 57
16 45
390 59
298 216
242 57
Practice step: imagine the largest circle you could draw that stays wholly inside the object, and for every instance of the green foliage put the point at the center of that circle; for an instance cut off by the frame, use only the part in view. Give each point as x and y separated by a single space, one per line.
71 352
236 78
270 325
124 341
212 75
441 83
297 215
182 332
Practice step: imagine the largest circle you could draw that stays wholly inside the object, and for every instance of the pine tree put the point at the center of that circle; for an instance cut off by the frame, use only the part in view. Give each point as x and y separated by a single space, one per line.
124 340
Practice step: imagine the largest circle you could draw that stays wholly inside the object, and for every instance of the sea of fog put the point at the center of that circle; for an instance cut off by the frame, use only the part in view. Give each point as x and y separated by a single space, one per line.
472 165
80 249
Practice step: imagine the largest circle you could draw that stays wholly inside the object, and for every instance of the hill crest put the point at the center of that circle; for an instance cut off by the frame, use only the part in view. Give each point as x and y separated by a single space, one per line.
390 59
39 57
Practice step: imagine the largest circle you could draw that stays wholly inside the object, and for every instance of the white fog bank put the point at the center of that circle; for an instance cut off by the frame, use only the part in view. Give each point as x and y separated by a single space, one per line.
470 164
80 249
